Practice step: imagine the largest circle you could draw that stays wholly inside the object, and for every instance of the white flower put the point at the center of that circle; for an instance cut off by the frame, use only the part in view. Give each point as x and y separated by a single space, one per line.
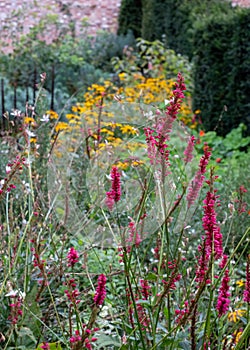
16 113
45 118
8 169
149 115
30 133
15 293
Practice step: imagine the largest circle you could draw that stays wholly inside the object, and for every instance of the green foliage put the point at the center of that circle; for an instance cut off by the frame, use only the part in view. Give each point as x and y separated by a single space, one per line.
176 19
151 59
130 17
52 346
221 77
152 297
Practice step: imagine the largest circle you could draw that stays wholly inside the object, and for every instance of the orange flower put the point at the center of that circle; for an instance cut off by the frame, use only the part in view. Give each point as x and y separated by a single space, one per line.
202 133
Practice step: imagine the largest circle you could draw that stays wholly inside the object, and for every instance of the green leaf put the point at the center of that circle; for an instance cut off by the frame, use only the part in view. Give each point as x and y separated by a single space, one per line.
26 336
151 276
104 340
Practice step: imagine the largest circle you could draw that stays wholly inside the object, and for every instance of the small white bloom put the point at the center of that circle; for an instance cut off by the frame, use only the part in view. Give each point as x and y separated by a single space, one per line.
30 133
16 113
149 115
15 293
45 118
8 169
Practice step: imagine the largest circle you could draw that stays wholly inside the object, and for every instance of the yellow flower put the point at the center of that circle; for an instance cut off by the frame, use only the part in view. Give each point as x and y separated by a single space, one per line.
33 140
234 316
52 114
72 116
29 120
237 335
128 129
122 76
61 126
136 163
122 165
240 283
107 131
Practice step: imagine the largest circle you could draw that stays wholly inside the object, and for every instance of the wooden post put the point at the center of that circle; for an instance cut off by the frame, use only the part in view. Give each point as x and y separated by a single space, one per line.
34 86
2 101
52 87
27 93
15 98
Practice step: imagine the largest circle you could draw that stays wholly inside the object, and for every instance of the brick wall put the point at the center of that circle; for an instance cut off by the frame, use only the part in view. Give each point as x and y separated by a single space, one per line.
101 14
243 3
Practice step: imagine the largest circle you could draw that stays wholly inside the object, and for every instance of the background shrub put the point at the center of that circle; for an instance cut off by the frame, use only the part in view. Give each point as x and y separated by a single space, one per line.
221 78
130 17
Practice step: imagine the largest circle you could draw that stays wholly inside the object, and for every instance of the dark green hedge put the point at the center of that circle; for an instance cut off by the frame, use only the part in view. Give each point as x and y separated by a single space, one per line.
130 17
154 14
222 76
177 19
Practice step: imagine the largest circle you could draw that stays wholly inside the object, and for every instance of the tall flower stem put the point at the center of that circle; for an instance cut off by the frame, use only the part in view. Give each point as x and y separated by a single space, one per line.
126 269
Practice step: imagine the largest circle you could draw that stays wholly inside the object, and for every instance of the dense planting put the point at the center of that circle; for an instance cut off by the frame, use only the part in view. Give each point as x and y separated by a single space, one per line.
135 254
124 222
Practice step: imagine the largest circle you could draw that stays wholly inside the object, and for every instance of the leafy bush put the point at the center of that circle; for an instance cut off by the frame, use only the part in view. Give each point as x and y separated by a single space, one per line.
71 63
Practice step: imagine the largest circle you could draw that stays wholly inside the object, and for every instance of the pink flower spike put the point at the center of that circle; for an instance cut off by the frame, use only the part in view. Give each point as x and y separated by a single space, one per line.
73 257
197 182
213 240
223 298
188 153
246 294
114 195
100 293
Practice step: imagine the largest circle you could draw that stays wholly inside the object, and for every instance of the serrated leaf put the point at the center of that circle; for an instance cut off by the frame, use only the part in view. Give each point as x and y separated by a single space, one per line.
151 276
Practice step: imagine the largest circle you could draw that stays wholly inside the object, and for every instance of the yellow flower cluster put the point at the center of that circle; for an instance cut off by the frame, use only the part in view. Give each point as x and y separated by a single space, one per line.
93 114
234 316
148 91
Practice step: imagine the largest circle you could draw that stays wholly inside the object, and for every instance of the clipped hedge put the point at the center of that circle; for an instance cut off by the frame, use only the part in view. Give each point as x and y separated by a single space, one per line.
222 71
154 14
176 19
130 17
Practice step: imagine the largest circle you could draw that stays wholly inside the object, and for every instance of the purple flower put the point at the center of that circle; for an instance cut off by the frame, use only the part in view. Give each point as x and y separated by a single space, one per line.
72 256
157 137
114 195
100 293
197 182
247 285
213 240
223 298
188 153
